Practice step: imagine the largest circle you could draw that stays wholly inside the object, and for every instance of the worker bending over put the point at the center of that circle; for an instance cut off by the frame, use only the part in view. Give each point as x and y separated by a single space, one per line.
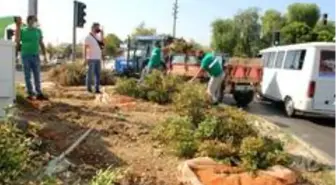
154 61
214 68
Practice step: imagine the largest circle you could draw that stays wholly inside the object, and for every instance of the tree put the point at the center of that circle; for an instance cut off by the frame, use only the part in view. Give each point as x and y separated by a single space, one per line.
325 32
142 30
308 13
112 43
271 21
247 24
296 32
248 31
224 36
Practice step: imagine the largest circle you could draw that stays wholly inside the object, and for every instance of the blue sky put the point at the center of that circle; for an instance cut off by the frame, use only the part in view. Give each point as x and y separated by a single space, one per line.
122 16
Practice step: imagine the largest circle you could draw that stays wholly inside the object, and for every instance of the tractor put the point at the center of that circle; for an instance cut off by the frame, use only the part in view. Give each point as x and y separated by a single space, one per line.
138 50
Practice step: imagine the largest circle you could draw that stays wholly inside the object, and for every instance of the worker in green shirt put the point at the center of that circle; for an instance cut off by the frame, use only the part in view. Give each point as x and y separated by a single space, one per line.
31 39
155 61
214 68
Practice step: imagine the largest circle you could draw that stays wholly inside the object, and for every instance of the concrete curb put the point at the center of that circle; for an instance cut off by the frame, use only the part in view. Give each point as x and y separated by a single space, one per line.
319 155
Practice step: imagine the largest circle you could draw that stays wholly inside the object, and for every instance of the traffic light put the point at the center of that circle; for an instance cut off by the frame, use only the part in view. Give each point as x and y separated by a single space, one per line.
325 19
314 37
276 38
79 10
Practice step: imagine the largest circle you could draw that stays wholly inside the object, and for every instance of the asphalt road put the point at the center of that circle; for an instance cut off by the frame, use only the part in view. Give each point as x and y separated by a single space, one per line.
19 77
318 132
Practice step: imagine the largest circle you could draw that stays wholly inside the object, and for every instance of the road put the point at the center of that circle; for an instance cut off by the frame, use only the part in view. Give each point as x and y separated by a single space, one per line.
320 133
19 77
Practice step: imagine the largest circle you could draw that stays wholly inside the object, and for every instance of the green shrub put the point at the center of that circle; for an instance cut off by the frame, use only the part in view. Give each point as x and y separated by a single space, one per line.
185 148
261 153
177 132
174 129
159 87
14 152
224 128
217 149
128 87
191 101
156 87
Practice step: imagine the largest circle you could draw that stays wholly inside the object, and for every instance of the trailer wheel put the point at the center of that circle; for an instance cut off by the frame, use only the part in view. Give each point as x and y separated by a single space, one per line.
243 98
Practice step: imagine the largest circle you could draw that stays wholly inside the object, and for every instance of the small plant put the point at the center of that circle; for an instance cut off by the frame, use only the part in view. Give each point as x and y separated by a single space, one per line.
128 87
185 148
174 129
217 149
156 87
261 153
191 101
177 132
159 88
50 181
14 152
107 177
224 128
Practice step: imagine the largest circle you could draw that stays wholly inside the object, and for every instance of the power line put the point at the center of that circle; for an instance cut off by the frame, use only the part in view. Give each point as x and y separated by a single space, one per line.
175 7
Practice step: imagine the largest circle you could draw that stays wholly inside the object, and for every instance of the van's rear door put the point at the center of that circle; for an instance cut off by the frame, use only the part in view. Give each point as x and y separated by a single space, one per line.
324 97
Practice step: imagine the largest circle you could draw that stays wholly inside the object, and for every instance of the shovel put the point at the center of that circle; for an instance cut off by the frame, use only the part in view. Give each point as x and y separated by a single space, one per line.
54 164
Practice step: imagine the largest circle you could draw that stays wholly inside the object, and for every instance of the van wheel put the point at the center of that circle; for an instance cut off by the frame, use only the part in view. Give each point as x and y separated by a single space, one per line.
289 107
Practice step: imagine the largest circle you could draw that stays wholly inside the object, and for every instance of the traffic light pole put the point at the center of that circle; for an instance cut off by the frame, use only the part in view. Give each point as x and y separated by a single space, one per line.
74 26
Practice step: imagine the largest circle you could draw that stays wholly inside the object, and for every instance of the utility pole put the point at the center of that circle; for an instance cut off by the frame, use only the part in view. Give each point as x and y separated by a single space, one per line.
32 7
175 7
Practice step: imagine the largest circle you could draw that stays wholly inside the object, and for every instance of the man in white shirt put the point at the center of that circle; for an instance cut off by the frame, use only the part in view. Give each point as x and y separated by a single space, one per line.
93 47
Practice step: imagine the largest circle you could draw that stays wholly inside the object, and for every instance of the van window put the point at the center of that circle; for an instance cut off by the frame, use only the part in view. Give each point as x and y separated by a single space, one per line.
270 60
279 59
327 63
294 59
265 57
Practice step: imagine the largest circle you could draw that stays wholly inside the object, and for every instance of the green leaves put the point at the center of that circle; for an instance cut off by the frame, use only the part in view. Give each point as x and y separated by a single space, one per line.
249 31
156 87
14 152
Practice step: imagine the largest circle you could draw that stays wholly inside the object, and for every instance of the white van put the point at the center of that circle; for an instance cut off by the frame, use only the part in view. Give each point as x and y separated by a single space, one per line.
302 76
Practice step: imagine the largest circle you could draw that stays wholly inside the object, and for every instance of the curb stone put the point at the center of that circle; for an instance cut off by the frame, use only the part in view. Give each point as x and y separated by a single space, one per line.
317 153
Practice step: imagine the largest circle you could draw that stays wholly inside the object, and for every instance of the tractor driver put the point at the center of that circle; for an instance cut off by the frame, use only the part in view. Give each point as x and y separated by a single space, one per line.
213 67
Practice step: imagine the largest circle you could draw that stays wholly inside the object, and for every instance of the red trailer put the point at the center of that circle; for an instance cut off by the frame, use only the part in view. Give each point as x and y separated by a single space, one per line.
242 79
242 75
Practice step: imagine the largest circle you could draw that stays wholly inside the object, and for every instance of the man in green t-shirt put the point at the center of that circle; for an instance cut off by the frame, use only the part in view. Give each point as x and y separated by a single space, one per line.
214 68
155 61
30 39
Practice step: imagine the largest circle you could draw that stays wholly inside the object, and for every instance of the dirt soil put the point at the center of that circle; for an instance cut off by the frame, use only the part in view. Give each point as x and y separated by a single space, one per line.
121 136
